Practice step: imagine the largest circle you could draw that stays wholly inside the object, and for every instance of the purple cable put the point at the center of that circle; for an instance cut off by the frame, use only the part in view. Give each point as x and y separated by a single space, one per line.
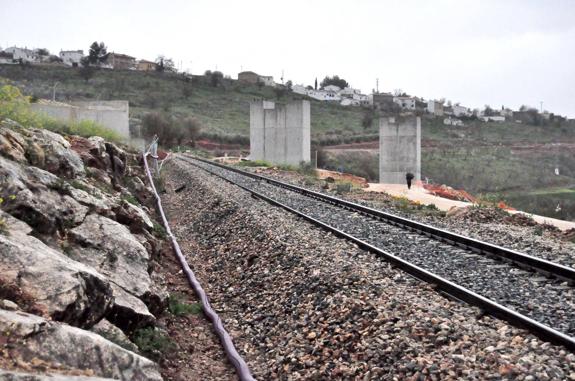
237 361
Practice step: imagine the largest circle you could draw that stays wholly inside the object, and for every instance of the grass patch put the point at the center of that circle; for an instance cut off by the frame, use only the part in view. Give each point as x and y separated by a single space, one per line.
131 199
79 185
179 308
159 231
255 163
153 343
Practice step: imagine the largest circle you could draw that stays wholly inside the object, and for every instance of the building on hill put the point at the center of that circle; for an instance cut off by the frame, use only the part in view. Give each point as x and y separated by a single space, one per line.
71 57
254 78
332 89
144 65
119 61
384 101
459 110
299 89
406 103
22 54
435 107
6 58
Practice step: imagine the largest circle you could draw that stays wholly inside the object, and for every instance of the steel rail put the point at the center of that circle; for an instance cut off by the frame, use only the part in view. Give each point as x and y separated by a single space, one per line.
490 307
545 267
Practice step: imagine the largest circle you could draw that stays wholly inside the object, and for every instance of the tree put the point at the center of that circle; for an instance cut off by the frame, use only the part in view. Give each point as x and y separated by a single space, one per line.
86 71
98 53
289 85
216 78
335 80
191 129
43 52
488 111
165 64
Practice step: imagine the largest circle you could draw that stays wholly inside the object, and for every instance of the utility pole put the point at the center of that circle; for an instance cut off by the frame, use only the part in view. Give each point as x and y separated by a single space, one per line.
541 111
377 85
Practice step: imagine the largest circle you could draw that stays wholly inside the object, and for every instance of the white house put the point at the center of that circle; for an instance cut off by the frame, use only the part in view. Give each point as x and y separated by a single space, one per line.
498 119
299 89
322 95
267 80
435 108
461 110
26 55
407 103
71 57
332 88
349 92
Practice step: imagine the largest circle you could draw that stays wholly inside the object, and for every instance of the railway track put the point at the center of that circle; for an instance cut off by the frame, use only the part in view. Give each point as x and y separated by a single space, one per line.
524 290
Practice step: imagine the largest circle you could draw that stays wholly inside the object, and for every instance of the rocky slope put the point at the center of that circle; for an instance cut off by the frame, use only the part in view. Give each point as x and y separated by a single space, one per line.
77 254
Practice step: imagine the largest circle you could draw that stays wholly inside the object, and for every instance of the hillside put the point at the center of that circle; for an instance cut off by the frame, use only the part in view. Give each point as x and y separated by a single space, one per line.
223 110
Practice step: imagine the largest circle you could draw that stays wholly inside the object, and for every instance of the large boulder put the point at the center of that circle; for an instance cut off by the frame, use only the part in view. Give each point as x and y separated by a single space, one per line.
111 332
32 338
12 144
59 158
109 247
92 151
67 290
38 197
134 217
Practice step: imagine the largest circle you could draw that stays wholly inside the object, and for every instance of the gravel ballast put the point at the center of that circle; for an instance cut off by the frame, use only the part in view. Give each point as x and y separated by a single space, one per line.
547 301
303 304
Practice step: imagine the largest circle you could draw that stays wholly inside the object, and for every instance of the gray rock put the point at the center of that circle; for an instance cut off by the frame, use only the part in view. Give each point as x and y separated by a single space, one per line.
114 334
34 337
109 247
38 197
133 216
8 305
69 291
59 158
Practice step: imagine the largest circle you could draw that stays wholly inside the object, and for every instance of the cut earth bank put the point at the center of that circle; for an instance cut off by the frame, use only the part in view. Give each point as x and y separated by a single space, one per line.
83 267
303 304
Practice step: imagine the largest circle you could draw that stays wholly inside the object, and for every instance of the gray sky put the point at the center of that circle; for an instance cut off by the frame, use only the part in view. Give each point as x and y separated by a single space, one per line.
475 52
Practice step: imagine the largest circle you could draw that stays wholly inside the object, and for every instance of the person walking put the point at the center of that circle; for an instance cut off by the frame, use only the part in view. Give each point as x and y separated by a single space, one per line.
408 177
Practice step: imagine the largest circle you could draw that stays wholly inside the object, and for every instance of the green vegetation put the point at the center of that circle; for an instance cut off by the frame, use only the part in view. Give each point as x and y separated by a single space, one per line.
153 343
255 163
131 199
15 106
179 308
222 110
159 230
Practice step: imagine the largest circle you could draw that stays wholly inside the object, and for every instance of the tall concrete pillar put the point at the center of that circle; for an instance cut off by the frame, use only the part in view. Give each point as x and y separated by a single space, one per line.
399 149
280 133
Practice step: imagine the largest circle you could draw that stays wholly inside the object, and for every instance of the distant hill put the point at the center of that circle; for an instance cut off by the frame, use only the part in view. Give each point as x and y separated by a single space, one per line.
223 110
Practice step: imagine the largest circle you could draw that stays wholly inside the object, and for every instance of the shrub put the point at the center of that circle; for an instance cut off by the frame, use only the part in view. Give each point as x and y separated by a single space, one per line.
255 163
153 343
179 308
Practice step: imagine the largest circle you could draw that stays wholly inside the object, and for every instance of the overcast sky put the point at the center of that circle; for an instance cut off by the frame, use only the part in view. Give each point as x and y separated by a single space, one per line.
473 52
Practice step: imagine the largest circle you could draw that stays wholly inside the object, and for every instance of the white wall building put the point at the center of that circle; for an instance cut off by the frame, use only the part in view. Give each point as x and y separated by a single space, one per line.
26 55
332 88
435 108
299 89
322 95
71 57
461 110
407 103
267 80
